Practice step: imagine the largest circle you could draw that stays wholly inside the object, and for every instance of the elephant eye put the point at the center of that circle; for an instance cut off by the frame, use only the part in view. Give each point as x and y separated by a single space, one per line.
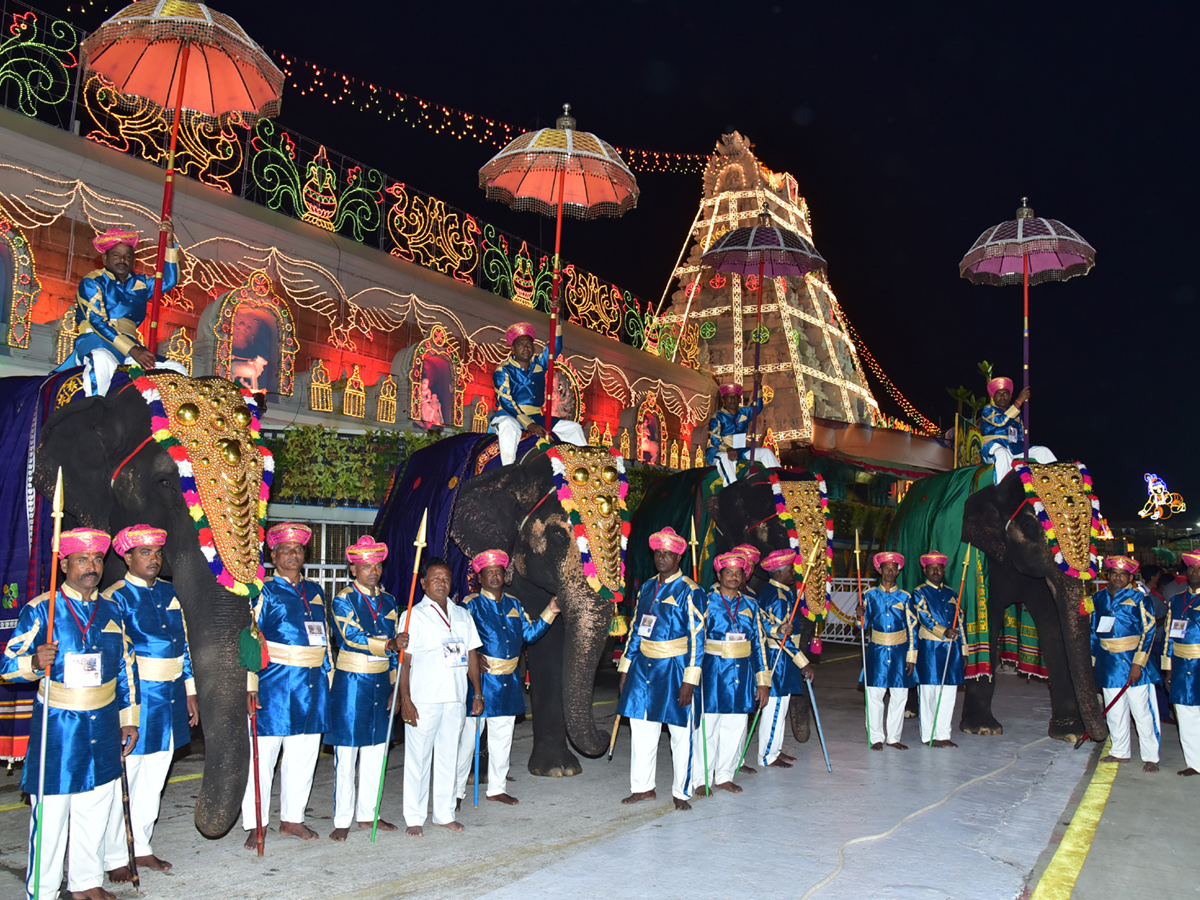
165 482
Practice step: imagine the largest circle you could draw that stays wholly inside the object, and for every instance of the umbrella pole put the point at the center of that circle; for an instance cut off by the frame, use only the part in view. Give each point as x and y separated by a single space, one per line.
548 403
757 351
1025 406
168 192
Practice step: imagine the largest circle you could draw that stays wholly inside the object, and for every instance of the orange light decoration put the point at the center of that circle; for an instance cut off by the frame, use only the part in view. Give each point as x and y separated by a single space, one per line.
429 235
24 286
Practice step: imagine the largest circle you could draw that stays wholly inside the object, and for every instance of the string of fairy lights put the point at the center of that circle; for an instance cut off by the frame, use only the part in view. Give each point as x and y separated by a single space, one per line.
924 425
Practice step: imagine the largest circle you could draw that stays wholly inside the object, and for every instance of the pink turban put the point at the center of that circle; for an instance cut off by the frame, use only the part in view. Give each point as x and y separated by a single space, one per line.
668 540
1191 559
1124 563
780 559
519 329
730 389
367 550
82 540
999 384
288 533
106 240
750 552
489 558
888 556
734 558
138 536
934 557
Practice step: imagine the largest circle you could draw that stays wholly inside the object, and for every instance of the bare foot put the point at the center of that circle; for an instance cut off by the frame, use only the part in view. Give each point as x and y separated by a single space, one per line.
1116 759
896 745
638 797
780 763
878 745
153 863
414 831
298 829
700 791
728 786
786 758
252 839
383 826
1188 771
120 875
96 893
458 805
1149 767
339 835
506 799
747 770
450 826
945 744
681 805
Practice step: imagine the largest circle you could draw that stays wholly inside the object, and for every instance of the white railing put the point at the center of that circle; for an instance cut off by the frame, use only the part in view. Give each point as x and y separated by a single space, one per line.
843 629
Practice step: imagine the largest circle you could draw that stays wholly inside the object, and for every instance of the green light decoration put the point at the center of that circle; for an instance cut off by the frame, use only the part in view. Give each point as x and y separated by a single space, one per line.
36 61
708 331
761 334
666 345
511 275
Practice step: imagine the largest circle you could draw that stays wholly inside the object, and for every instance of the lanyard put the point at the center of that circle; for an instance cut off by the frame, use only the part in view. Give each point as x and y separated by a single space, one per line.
655 600
83 630
441 615
737 608
373 610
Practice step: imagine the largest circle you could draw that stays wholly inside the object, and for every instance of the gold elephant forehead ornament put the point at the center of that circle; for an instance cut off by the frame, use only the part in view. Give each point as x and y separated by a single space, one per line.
1064 493
803 500
591 487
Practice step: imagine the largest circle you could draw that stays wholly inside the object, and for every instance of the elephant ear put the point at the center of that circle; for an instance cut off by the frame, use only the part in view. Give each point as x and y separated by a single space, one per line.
989 512
489 509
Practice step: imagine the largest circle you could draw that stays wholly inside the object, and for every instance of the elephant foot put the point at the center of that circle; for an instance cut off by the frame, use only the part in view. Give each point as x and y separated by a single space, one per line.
909 714
1067 729
561 764
983 724
799 720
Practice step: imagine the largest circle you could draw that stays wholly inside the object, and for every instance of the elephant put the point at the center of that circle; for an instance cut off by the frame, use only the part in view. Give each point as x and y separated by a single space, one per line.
1001 522
744 512
115 474
474 505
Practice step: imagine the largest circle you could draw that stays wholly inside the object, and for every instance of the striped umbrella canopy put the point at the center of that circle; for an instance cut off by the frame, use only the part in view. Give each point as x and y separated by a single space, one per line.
1052 251
764 249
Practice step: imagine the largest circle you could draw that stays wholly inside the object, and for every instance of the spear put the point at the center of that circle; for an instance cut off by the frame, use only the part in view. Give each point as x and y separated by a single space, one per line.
862 634
57 513
703 728
419 543
953 624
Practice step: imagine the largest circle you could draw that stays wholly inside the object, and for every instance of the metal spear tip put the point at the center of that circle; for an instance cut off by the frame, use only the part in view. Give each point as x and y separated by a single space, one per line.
420 541
58 494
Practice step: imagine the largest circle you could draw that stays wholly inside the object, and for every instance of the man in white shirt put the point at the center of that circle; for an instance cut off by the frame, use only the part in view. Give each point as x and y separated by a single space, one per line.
433 696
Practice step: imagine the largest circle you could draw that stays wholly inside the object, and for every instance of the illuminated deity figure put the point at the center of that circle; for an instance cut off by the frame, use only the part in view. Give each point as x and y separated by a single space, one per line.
431 406
1161 503
1002 431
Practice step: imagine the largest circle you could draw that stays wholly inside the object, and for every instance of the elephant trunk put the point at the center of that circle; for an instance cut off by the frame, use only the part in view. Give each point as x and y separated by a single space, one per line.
587 623
1077 638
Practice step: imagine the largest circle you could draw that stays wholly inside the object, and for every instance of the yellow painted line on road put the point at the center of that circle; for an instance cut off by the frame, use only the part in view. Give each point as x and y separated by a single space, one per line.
1058 881
9 807
179 778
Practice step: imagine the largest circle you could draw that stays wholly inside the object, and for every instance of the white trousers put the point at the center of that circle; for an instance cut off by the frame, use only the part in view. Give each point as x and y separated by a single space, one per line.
643 761
85 816
771 726
147 776
1188 720
1142 704
100 365
1003 460
499 731
432 743
939 729
897 698
726 736
370 764
508 433
728 467
295 777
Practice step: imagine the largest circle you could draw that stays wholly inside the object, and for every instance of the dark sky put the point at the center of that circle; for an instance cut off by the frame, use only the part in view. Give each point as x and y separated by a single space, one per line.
910 128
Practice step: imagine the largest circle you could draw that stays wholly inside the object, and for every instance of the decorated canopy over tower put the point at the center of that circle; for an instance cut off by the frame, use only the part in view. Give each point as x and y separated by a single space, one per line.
809 362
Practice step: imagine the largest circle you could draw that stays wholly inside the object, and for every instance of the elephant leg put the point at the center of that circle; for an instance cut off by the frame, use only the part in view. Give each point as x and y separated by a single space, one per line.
977 715
1066 723
798 717
551 756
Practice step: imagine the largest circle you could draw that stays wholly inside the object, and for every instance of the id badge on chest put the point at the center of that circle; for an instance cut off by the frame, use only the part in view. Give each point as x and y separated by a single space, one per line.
454 653
81 670
1012 432
1105 625
1178 627
735 635
646 625
316 633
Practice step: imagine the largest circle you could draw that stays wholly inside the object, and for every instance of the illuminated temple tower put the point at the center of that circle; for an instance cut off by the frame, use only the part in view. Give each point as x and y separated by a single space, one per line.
809 363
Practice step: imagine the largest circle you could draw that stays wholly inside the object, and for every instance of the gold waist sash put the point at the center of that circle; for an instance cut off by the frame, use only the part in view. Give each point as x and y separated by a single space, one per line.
79 699
296 655
728 649
664 649
501 666
1186 651
151 668
889 638
926 635
1120 645
349 661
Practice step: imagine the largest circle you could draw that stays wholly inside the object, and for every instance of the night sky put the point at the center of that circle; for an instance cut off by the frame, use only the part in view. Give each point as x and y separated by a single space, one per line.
909 127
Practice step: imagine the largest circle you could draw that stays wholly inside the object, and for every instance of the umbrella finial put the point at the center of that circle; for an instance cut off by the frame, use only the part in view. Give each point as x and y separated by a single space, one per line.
566 121
1024 212
764 216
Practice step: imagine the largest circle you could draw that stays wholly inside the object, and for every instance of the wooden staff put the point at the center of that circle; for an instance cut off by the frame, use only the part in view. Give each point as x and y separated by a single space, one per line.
57 512
135 878
953 624
419 543
862 635
1079 743
258 823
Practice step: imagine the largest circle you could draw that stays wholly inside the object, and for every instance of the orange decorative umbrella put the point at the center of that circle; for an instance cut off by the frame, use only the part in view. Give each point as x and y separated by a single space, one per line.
146 50
557 170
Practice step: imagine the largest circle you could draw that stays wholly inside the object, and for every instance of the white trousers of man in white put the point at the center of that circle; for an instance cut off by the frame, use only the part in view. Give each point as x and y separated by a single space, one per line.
1141 703
370 764
1188 720
928 694
499 731
147 775
295 777
508 433
643 761
897 698
726 735
771 726
100 365
1003 459
728 467
85 816
432 744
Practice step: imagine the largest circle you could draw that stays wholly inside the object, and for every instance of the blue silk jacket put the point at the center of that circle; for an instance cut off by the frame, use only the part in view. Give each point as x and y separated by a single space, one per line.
521 393
1129 641
733 669
1182 654
658 664
892 641
504 627
294 687
935 608
108 312
1001 428
153 621
724 424
83 748
359 701
774 606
